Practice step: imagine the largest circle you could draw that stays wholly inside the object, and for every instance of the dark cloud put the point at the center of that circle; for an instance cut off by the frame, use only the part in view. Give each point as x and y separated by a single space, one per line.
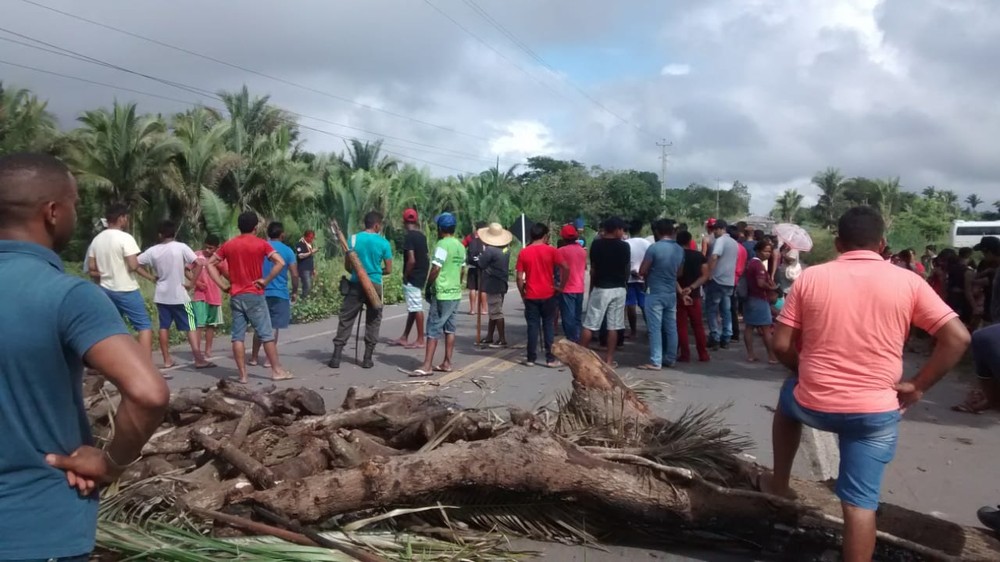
777 89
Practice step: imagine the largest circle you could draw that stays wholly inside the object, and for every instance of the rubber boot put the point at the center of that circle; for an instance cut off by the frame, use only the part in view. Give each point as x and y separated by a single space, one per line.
334 362
367 363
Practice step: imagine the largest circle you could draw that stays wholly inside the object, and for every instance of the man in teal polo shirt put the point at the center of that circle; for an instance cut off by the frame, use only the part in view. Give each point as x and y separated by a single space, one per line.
49 470
375 255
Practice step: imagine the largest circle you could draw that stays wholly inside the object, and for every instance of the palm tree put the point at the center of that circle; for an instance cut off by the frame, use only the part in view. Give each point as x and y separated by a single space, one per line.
973 201
257 116
996 204
949 197
930 192
368 156
888 199
126 157
788 204
831 185
25 124
203 161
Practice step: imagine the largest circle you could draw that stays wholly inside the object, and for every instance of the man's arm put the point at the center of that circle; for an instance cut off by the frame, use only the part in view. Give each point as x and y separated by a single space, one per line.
95 273
519 278
950 343
193 274
96 332
216 275
712 261
784 345
278 264
433 275
134 266
387 268
563 275
293 268
409 264
647 263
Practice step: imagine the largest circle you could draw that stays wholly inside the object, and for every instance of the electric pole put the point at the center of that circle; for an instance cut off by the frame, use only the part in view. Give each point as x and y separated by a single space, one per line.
717 182
663 165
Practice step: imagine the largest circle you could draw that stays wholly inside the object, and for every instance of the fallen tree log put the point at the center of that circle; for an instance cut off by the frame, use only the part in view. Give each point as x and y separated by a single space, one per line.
608 469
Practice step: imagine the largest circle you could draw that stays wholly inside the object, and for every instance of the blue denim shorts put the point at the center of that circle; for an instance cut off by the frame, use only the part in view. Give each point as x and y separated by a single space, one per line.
441 319
635 295
867 444
280 311
131 306
249 309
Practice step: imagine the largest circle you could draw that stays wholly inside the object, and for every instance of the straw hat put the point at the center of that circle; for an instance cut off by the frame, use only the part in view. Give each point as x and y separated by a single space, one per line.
495 235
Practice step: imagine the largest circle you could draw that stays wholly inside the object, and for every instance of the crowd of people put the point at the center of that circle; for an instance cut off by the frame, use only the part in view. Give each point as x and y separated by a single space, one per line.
846 360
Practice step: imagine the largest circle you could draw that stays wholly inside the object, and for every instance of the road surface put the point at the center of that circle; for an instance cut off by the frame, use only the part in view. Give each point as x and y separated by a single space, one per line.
945 465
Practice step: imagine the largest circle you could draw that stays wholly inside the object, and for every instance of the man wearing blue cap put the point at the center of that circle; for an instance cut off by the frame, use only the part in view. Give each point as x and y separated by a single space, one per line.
444 287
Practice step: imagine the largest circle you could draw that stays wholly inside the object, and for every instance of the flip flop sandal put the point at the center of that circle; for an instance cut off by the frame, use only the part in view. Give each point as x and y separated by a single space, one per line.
284 376
421 373
553 364
208 365
648 367
440 369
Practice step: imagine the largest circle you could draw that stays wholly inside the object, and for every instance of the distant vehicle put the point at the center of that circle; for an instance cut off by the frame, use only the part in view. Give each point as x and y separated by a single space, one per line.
966 234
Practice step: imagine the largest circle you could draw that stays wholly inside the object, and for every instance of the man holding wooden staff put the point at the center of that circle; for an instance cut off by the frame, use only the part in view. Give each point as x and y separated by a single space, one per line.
375 256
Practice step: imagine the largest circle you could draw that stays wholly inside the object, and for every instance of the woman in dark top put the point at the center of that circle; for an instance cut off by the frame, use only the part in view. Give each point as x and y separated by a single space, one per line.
694 274
757 310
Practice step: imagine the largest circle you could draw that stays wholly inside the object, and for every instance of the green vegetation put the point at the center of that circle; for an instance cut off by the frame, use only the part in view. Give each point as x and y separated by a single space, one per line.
913 219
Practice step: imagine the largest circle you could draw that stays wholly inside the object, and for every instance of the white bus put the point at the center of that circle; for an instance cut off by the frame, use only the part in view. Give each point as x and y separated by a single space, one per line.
966 234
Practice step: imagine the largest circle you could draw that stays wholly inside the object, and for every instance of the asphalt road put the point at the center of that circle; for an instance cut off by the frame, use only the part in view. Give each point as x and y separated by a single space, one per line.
945 465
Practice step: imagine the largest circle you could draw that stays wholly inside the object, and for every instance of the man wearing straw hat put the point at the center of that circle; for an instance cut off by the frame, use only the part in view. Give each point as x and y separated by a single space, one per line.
494 270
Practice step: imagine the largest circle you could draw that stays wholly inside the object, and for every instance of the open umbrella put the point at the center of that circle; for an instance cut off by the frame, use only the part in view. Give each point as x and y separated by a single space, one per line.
794 235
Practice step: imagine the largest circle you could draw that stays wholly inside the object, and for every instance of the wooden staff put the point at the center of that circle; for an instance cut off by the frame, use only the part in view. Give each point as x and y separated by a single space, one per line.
479 311
374 300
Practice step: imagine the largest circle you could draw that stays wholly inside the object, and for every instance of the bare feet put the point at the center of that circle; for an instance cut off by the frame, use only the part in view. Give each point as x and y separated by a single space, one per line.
253 362
414 345
443 368
751 359
401 342
766 485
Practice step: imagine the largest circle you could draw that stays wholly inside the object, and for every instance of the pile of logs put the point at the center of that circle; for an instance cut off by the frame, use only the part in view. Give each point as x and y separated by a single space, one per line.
235 450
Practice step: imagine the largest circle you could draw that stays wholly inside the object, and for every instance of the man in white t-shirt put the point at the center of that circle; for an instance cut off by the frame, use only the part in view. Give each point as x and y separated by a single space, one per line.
114 258
636 293
176 265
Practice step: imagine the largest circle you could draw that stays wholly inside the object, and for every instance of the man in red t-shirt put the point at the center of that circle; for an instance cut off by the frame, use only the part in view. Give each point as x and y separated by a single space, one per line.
571 299
536 270
245 255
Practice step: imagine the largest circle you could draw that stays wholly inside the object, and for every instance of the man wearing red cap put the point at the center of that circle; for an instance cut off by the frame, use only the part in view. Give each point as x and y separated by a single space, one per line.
571 299
416 266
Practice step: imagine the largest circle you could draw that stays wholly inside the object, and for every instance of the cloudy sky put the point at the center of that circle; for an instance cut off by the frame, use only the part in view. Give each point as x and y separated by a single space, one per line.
764 91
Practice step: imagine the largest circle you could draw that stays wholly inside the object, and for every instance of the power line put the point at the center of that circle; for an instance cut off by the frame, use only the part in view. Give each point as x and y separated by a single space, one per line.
255 72
61 51
538 58
198 104
492 48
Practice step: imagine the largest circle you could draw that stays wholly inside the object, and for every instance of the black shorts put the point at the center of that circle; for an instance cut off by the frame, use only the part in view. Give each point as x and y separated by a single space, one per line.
472 280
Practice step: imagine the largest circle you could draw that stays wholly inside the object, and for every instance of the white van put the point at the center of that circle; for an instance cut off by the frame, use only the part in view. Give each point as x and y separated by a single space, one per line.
966 234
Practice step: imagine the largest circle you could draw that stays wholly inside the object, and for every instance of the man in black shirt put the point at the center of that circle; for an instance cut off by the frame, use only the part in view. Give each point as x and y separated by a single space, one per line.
695 274
494 272
304 252
610 265
415 270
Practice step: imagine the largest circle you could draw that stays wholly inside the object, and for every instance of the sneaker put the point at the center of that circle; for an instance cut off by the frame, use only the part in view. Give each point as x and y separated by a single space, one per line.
713 345
735 339
498 345
723 345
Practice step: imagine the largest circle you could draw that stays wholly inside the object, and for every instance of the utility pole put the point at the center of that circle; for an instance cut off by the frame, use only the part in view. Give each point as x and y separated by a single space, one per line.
717 182
663 165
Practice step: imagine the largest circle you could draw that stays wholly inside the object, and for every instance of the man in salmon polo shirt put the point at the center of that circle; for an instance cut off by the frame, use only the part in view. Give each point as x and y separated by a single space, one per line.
848 360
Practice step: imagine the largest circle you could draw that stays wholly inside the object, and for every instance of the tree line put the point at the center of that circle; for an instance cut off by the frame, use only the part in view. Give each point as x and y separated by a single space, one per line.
910 216
203 166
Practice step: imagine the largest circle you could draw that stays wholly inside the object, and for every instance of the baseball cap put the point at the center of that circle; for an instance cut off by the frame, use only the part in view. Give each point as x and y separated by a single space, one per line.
568 232
445 220
710 223
988 244
410 215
